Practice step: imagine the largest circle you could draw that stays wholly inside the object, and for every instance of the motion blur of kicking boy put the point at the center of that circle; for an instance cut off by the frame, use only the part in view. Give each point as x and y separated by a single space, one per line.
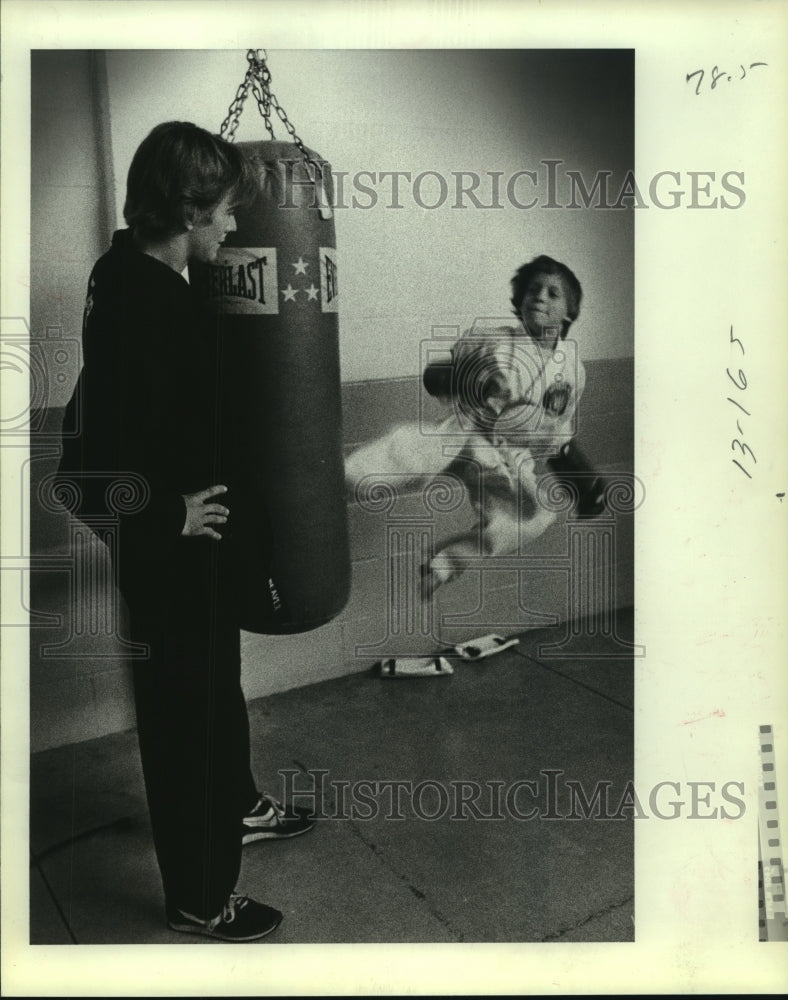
514 392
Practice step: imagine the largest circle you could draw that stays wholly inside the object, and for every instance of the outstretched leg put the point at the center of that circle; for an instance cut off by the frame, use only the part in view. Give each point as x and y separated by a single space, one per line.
502 531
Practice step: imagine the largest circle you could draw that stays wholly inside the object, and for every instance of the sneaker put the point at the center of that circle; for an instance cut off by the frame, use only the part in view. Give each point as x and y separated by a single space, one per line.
241 919
269 820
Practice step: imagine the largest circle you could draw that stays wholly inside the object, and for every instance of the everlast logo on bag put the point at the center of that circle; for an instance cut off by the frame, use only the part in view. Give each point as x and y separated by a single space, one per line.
244 281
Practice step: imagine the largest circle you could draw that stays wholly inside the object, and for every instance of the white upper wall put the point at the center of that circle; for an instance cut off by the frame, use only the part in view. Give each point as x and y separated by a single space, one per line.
405 270
67 231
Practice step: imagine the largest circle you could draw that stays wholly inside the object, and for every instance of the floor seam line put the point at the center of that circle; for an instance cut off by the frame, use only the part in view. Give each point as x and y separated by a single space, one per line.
557 935
55 902
421 896
356 831
573 680
123 823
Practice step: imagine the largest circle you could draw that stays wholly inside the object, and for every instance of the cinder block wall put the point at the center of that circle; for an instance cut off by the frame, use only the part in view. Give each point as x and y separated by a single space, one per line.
80 686
377 623
88 113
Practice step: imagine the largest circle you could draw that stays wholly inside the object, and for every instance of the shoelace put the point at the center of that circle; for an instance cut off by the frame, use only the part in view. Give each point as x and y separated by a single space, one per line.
235 902
274 804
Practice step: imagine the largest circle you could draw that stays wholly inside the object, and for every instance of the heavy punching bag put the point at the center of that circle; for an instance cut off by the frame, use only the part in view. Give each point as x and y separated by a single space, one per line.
274 294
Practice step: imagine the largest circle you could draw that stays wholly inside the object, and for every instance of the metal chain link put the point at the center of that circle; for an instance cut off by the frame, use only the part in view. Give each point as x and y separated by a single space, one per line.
258 80
230 123
264 106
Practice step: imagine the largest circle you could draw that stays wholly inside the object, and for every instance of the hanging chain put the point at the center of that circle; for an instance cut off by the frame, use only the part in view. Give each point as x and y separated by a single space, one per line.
230 123
258 80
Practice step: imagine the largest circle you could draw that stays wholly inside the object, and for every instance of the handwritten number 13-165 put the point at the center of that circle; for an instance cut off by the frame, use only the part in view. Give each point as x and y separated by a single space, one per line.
740 381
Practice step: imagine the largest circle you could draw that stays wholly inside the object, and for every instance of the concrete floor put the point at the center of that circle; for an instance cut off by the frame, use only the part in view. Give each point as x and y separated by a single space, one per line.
362 878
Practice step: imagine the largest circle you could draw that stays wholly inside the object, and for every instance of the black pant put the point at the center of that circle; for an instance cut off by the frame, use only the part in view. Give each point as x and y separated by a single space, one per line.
193 731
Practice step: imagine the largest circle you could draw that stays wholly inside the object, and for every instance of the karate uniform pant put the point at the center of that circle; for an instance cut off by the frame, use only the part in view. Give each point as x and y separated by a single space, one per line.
510 515
193 731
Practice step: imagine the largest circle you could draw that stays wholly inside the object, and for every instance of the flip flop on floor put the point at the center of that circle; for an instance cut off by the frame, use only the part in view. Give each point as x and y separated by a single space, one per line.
477 649
416 666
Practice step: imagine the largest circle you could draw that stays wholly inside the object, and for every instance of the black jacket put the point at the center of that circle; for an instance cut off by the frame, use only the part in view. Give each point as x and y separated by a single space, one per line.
146 408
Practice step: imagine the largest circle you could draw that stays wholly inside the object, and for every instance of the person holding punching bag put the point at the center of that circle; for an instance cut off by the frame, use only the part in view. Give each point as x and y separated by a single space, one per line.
147 404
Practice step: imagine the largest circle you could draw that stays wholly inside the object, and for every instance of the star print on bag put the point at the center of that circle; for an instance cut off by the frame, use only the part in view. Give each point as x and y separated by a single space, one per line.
327 293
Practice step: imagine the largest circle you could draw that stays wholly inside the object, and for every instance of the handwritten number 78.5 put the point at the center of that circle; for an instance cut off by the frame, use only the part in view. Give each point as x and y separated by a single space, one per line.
718 74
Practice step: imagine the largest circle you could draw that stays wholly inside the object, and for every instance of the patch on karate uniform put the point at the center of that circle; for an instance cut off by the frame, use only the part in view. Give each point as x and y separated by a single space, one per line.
556 398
